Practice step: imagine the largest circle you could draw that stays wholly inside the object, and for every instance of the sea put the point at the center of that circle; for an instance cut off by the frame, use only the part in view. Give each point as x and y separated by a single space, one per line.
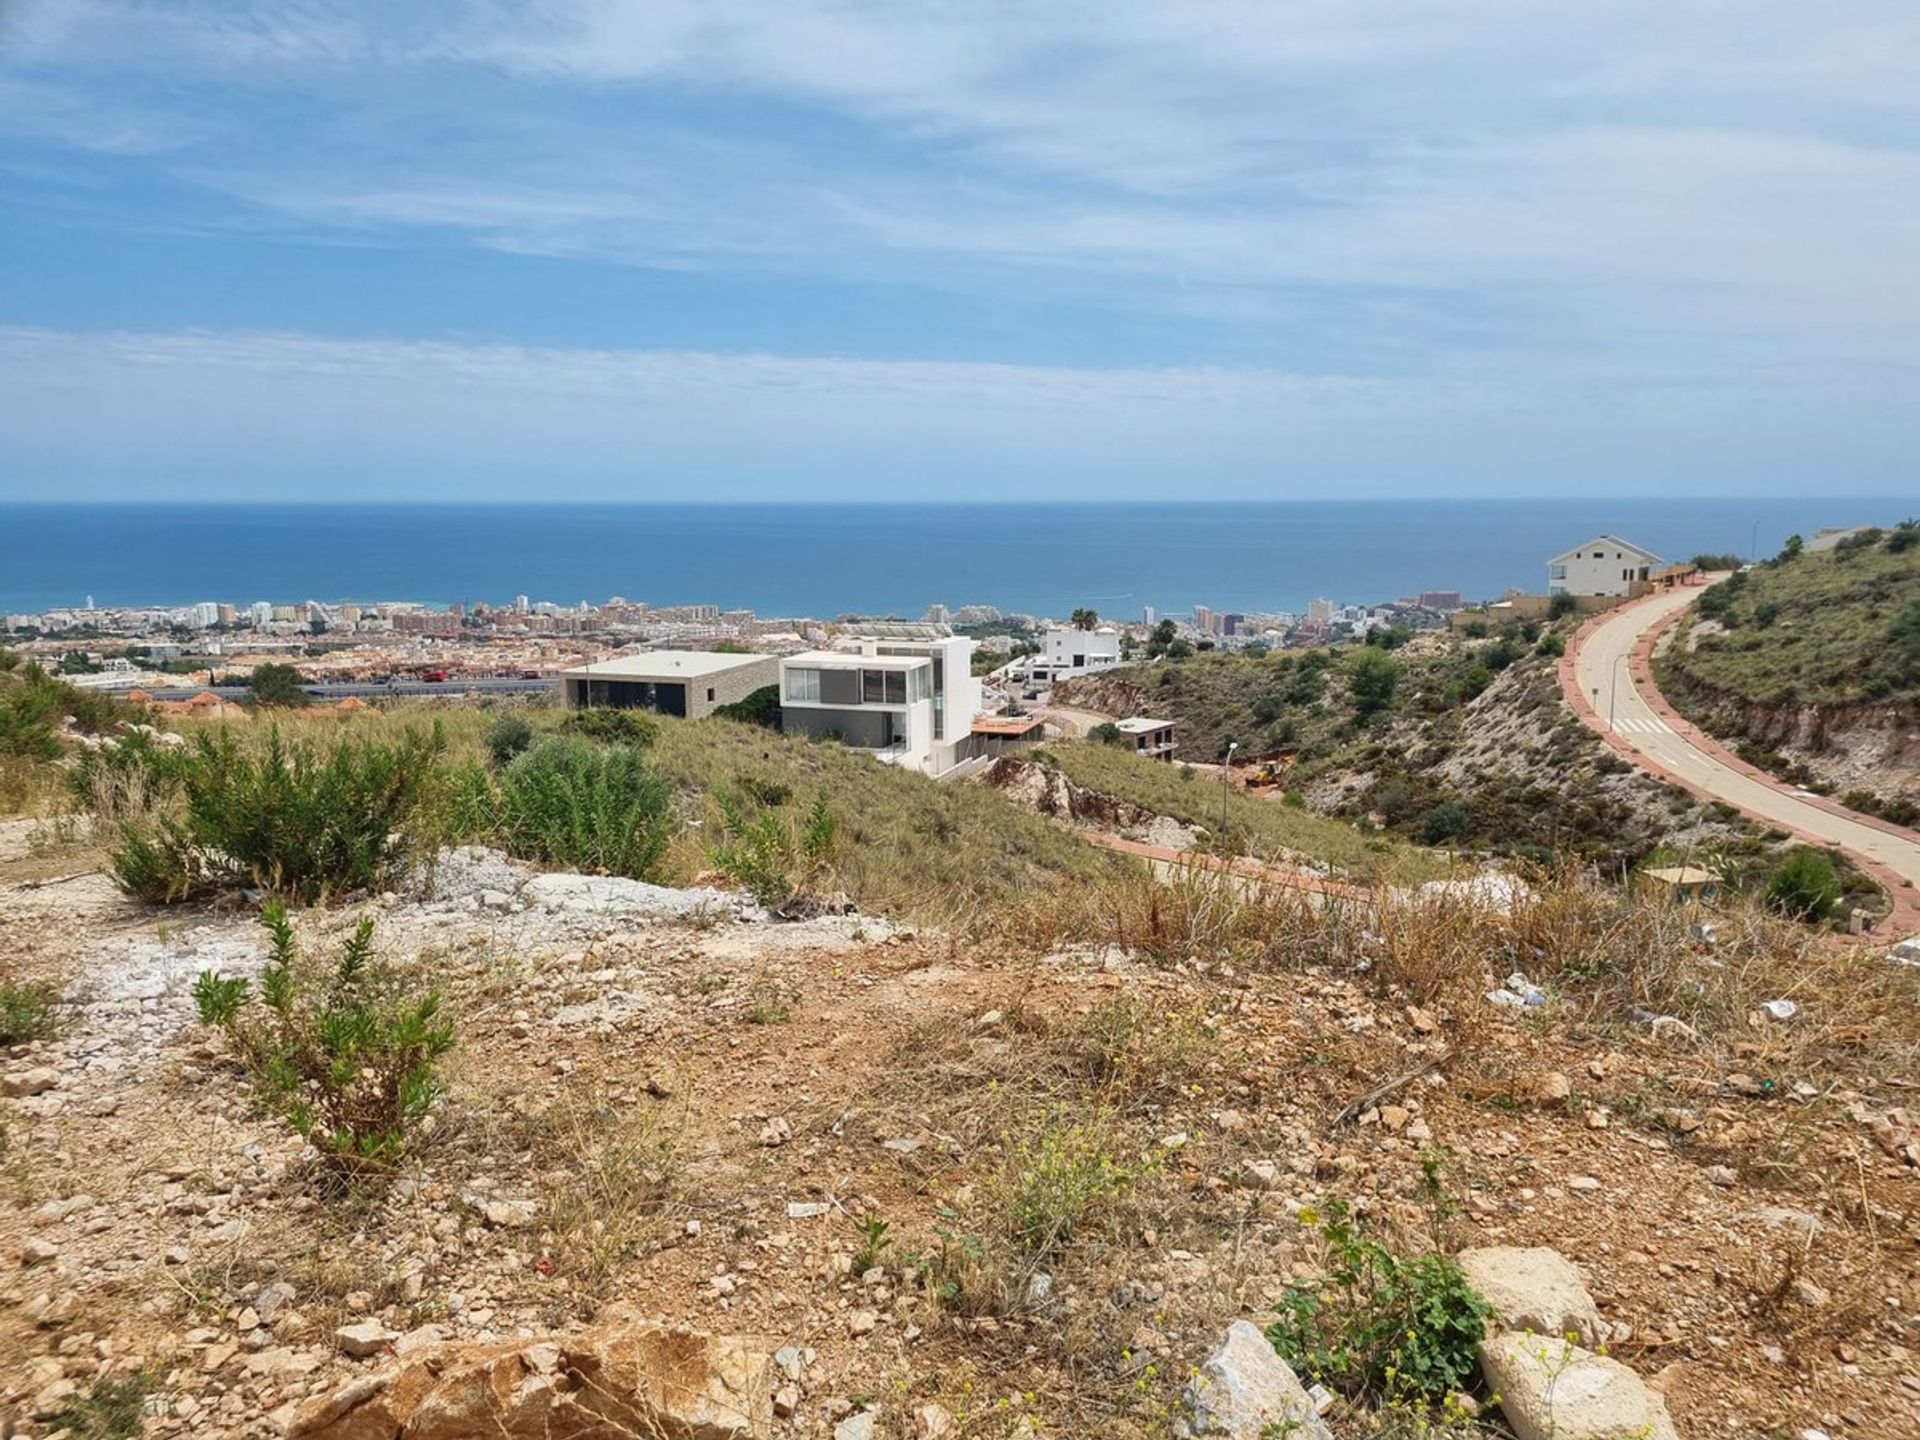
825 560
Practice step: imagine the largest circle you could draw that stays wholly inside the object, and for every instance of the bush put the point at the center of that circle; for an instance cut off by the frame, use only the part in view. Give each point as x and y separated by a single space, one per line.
291 817
1805 886
1107 733
1552 645
762 707
1561 606
277 686
351 1060
612 727
508 738
34 705
1446 821
590 807
1379 1325
772 858
26 1012
1372 676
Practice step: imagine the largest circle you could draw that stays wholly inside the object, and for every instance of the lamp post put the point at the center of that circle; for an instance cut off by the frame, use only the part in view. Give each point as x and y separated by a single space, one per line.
1226 769
1613 688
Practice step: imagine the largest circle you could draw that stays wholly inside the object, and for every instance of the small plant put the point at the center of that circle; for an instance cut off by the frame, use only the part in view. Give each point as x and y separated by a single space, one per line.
1805 886
508 738
874 1243
770 857
612 727
26 1012
113 1407
1379 1325
594 807
350 1060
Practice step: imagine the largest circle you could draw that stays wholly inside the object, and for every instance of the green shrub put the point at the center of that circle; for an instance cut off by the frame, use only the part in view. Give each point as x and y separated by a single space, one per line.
277 686
1372 677
1379 1325
26 1012
1552 645
772 857
762 707
508 738
1107 733
1446 821
34 705
291 817
349 1058
590 807
1805 886
113 1407
612 727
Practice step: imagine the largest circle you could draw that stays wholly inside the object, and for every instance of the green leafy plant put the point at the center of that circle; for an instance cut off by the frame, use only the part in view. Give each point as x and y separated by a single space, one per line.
508 738
26 1012
277 685
350 1058
874 1243
592 807
774 859
1805 886
292 817
612 727
1380 1325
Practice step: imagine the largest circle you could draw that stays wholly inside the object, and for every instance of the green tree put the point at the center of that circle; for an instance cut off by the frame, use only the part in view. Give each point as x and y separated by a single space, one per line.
1446 821
277 686
1085 619
1561 606
1805 886
1372 677
1107 733
1793 548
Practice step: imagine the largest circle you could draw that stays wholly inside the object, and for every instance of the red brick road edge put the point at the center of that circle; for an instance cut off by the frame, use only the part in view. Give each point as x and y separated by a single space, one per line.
1905 914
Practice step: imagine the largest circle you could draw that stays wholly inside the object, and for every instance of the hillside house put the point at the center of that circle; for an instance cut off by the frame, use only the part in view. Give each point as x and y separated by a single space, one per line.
689 683
1604 565
907 693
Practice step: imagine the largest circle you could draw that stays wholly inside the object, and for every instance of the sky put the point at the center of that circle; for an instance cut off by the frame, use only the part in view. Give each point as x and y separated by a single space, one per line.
957 249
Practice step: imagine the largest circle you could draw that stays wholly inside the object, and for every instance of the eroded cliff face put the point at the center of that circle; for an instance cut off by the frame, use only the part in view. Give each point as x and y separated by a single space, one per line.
1871 746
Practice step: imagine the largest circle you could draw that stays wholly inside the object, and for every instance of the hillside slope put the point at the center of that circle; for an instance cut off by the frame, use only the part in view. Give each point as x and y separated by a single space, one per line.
1813 660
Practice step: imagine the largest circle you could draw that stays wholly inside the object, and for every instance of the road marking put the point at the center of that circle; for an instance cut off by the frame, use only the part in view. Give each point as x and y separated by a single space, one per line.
1644 727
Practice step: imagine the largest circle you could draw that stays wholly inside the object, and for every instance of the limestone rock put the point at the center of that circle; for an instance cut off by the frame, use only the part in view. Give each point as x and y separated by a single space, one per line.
369 1337
23 1083
1247 1392
606 1384
856 1427
1550 1390
1534 1289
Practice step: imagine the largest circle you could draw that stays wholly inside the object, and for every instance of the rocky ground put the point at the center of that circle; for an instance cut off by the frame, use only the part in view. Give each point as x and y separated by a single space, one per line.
665 1107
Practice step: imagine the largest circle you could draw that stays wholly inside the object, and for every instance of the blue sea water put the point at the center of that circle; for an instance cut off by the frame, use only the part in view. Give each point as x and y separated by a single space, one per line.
824 560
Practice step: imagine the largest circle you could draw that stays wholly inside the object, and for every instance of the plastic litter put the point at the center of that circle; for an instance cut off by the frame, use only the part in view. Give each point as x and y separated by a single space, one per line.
1781 1009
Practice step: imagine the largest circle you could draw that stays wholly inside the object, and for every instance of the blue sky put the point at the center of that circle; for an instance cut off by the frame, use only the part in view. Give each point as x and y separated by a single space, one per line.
736 249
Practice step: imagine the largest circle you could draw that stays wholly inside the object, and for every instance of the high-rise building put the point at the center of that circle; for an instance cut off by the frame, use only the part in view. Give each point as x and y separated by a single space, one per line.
1203 619
1321 611
261 612
206 614
521 604
1148 615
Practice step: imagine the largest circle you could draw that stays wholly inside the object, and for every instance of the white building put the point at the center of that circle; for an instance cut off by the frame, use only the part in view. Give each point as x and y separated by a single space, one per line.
1321 612
1604 565
206 614
261 613
1148 737
907 693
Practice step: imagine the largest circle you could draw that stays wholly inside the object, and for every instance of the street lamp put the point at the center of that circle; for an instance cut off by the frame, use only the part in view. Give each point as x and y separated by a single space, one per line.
1613 688
1226 768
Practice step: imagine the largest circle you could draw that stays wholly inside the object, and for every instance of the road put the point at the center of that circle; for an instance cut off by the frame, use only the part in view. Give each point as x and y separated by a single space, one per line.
379 689
1625 705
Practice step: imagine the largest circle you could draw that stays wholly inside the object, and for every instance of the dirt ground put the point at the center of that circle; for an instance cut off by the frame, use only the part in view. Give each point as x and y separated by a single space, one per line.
671 1107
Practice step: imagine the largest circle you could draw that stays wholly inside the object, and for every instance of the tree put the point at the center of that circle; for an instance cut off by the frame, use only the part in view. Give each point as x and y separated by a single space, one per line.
1446 821
1561 606
1791 550
1085 619
1107 733
277 686
1805 886
1372 676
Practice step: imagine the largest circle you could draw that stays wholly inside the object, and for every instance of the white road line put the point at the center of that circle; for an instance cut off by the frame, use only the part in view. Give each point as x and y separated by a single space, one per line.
1644 727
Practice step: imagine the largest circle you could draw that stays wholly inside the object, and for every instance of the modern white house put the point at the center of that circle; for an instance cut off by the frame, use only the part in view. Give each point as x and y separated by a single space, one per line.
1066 652
905 692
1604 565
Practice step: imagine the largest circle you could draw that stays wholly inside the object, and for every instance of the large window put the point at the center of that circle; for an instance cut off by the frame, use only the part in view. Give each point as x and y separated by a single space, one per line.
803 685
883 687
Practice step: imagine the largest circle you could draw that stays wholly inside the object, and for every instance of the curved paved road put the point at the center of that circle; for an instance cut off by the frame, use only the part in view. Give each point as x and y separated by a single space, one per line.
1616 695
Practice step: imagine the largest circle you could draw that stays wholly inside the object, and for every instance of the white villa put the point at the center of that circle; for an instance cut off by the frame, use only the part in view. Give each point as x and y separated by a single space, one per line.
1066 652
907 693
1604 565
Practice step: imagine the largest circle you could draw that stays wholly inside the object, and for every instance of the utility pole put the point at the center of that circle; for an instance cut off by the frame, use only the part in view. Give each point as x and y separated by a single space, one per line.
1226 770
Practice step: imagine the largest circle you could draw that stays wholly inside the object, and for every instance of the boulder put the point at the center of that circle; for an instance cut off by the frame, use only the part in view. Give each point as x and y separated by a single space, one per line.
606 1384
1551 1390
1534 1289
1247 1392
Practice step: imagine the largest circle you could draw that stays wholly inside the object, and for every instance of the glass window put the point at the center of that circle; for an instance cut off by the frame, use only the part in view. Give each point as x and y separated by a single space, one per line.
803 685
922 683
873 687
896 687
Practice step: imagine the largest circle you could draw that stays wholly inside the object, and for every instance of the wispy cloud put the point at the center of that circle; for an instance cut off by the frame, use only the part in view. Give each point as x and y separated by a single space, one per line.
1484 196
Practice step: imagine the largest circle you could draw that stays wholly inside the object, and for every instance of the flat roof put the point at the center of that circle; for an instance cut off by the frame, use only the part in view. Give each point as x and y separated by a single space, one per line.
1683 875
854 660
668 664
1006 724
1139 724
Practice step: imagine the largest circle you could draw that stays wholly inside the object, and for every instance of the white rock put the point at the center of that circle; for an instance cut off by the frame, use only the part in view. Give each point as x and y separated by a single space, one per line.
1247 1392
1550 1390
23 1083
856 1427
368 1337
1534 1289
